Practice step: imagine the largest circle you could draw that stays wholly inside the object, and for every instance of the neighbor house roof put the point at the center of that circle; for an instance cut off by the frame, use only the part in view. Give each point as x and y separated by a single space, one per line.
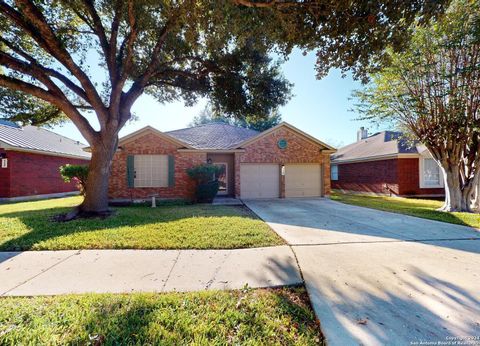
214 136
37 139
383 144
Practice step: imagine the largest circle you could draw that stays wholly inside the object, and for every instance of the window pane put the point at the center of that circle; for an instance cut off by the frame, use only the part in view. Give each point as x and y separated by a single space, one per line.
334 172
431 173
151 171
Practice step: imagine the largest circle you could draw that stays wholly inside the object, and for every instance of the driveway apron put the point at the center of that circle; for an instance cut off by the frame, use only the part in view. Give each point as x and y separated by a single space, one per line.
379 278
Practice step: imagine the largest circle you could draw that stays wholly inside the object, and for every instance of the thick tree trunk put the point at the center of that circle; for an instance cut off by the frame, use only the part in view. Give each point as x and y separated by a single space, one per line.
475 195
457 197
96 197
453 191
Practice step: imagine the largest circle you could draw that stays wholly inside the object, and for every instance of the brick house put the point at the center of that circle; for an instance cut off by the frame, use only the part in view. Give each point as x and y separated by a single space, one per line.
30 159
280 162
386 164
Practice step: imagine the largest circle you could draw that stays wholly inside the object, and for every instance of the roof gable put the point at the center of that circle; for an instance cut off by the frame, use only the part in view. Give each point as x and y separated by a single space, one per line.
148 129
290 127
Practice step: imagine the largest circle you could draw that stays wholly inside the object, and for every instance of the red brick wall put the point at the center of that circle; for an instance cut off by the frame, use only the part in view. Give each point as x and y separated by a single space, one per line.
4 180
299 150
409 179
373 176
397 176
37 174
152 144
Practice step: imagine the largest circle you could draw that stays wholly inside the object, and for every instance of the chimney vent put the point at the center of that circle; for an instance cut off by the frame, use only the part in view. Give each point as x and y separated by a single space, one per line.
362 133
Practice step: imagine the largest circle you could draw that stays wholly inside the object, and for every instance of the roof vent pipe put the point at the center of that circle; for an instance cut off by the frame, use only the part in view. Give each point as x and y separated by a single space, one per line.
362 133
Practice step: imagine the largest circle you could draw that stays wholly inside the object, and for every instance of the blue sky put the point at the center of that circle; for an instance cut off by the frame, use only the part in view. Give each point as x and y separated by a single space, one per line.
318 107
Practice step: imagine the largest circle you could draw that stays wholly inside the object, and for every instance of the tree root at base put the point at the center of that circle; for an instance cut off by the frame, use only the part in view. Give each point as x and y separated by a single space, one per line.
77 213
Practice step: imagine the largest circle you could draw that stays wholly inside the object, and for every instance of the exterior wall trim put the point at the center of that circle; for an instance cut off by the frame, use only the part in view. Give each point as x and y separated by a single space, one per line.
139 133
212 151
376 158
291 127
8 147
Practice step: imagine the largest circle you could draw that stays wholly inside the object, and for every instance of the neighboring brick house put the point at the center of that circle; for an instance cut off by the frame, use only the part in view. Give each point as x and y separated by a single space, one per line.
280 162
386 164
30 159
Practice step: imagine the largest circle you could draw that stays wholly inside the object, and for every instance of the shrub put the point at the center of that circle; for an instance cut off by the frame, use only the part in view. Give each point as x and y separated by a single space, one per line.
207 192
205 177
76 173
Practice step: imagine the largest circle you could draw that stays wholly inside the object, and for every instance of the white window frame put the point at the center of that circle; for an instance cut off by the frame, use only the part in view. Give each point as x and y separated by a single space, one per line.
334 177
422 175
146 178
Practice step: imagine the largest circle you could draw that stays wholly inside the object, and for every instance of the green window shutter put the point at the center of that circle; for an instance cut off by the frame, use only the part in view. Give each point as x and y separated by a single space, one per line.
130 170
171 171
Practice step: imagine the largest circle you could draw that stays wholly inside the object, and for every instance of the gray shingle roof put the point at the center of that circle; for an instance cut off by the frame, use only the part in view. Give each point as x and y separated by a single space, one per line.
39 139
380 144
213 136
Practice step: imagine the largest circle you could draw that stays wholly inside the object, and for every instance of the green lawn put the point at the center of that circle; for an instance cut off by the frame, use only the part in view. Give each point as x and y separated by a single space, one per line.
424 208
28 226
246 317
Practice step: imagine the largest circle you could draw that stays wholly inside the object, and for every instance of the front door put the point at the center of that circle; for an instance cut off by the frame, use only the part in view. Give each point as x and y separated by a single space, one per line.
222 178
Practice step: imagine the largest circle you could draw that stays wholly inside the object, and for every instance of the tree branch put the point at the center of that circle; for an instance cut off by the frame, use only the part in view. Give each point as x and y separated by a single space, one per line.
83 125
35 66
43 34
275 3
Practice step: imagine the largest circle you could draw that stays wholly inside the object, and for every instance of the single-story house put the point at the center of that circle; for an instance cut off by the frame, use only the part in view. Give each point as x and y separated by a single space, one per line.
280 162
385 163
30 158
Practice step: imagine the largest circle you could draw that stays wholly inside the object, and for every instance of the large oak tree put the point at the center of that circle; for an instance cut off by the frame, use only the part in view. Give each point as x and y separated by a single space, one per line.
181 49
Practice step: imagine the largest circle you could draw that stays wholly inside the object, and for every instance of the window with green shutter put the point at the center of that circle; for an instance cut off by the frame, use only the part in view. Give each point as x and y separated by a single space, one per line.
130 170
171 171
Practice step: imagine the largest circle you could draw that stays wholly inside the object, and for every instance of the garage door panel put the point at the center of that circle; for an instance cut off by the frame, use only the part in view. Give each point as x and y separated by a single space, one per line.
303 180
259 181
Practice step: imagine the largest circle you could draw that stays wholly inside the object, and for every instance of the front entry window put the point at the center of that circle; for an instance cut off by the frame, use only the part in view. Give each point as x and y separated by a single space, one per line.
430 174
222 178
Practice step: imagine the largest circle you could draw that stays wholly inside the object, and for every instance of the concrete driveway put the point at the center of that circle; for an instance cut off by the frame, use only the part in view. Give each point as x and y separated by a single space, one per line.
378 278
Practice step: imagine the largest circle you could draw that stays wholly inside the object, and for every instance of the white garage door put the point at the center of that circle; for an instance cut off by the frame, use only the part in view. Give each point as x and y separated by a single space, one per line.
259 181
303 180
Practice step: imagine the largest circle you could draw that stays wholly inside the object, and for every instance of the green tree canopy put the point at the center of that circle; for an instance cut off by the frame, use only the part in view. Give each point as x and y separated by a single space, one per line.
432 90
180 50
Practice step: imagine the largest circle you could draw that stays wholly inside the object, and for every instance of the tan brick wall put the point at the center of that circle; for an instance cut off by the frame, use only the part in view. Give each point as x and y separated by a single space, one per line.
299 150
151 144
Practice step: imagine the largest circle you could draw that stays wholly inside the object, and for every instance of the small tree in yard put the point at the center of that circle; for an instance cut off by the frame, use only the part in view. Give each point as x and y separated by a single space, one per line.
76 173
433 90
176 50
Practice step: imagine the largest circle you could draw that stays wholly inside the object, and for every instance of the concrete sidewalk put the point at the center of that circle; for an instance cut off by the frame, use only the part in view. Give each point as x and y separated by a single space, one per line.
123 271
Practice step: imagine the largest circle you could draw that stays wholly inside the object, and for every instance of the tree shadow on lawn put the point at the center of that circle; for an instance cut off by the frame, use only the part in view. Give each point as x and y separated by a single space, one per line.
40 225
